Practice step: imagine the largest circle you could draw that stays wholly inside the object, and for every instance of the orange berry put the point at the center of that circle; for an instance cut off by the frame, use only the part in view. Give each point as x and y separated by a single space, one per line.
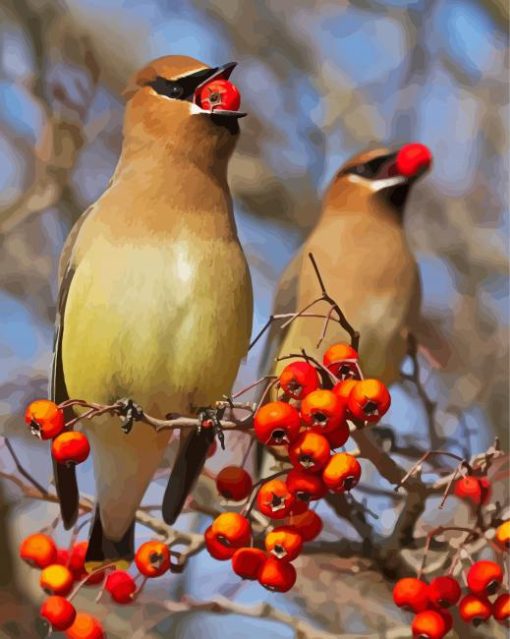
247 562
284 542
305 486
276 423
484 578
58 611
232 530
341 360
152 558
215 548
277 576
38 550
85 626
369 400
501 609
71 447
444 591
503 535
56 580
307 524
411 594
429 624
477 490
343 389
299 379
275 500
233 482
323 410
45 418
342 472
475 610
310 451
121 586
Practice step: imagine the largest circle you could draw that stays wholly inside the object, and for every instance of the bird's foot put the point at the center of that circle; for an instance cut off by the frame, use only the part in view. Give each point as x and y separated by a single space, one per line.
211 418
129 413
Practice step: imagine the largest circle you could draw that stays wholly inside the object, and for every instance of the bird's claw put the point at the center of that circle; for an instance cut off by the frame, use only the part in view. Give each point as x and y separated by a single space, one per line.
211 418
129 413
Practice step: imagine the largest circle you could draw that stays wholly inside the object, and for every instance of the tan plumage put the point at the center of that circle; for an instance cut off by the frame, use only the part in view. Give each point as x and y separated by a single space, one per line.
159 305
361 250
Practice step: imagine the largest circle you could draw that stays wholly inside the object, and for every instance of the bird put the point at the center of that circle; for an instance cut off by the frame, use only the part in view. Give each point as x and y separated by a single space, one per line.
362 253
155 299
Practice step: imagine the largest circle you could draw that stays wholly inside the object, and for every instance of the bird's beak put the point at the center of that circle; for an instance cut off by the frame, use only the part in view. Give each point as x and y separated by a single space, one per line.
217 73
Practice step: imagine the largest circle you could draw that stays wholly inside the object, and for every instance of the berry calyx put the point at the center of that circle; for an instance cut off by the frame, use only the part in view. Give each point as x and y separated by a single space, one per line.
341 360
323 410
342 472
284 542
275 500
299 379
219 95
311 452
369 400
277 423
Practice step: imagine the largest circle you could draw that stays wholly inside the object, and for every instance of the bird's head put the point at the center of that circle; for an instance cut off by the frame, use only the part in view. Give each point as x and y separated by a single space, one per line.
379 178
164 108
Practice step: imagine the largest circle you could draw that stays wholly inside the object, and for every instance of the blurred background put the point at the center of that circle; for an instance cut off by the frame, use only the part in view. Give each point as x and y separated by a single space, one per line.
320 80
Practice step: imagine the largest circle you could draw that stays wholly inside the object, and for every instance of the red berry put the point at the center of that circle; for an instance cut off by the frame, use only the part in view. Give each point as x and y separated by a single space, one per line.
475 610
152 558
215 548
323 409
56 580
38 550
277 576
501 609
247 562
484 578
232 530
284 542
413 159
233 482
342 472
121 586
444 591
219 95
310 451
341 360
85 626
62 557
58 611
336 437
411 593
369 400
429 624
307 524
45 418
477 490
343 389
299 379
71 447
277 423
305 486
275 500
76 564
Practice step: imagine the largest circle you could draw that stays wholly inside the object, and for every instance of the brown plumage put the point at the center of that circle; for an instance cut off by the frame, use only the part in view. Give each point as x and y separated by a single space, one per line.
362 252
155 298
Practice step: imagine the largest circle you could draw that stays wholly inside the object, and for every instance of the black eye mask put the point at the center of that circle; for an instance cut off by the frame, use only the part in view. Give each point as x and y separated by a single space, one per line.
369 170
183 88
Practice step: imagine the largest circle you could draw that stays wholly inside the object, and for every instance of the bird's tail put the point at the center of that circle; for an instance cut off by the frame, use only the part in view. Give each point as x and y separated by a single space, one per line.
188 466
102 550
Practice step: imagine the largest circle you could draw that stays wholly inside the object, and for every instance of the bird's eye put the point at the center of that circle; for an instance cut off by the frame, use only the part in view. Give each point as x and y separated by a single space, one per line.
360 169
174 90
170 88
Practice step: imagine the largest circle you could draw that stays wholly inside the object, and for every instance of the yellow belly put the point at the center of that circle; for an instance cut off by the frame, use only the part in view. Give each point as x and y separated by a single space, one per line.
166 326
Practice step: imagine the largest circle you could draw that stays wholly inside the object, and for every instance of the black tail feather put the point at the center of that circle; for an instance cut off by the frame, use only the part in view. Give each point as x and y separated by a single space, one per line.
188 465
102 549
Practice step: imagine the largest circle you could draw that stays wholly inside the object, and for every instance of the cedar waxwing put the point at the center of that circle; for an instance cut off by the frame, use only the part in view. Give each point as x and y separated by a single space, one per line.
361 250
155 299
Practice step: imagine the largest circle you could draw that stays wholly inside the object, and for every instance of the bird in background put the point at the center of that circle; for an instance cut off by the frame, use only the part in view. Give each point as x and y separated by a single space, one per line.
155 300
361 250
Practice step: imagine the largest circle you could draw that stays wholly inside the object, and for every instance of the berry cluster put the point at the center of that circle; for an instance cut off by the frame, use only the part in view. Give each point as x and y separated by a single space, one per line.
62 568
46 421
306 423
483 599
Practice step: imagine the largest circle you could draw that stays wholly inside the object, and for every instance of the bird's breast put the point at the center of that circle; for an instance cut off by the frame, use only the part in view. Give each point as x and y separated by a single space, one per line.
165 324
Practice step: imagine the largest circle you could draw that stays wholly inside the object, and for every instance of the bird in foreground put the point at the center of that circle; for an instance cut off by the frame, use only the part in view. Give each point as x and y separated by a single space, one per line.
155 300
361 250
